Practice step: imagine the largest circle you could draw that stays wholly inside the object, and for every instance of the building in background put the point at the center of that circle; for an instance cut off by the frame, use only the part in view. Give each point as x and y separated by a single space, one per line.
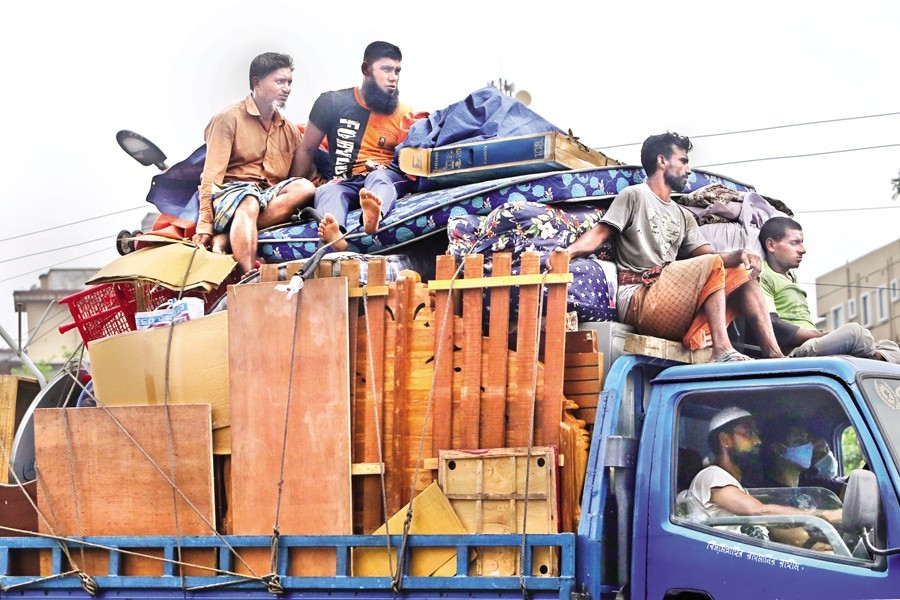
865 290
41 317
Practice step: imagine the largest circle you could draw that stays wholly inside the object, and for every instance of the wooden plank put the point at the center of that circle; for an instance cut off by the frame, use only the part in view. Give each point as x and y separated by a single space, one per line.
578 342
268 272
493 408
550 404
588 373
519 405
584 400
574 443
487 491
350 270
584 359
17 511
583 387
468 417
443 350
316 497
403 341
370 398
506 281
118 491
646 345
16 395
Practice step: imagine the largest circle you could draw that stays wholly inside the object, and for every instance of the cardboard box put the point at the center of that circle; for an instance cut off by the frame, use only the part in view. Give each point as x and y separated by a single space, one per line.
505 157
130 369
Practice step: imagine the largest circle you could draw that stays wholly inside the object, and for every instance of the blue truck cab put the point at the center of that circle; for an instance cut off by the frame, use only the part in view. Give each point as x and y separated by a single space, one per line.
635 540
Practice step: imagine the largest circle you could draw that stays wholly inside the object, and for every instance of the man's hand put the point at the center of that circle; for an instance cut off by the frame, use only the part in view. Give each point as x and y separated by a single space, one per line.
371 165
202 240
752 263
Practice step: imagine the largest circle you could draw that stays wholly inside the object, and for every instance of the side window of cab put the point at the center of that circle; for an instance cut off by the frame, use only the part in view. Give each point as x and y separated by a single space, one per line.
768 466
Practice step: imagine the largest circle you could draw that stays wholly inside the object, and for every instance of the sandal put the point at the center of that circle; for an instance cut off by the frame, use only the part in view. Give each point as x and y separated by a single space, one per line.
731 355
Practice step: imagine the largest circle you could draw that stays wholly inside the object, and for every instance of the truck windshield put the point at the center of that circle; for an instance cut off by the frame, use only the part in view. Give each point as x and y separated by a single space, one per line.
883 397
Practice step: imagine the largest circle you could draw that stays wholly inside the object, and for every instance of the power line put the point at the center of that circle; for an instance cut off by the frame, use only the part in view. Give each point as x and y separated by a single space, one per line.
831 210
749 160
118 212
740 131
62 262
105 237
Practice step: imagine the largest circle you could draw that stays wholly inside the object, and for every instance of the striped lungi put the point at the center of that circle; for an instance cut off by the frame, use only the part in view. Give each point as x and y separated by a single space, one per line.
670 308
226 199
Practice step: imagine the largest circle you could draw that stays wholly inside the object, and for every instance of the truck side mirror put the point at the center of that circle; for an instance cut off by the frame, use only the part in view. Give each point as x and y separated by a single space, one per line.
861 501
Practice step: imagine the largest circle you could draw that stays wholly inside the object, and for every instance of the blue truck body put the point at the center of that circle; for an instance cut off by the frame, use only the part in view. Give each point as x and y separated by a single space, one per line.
632 542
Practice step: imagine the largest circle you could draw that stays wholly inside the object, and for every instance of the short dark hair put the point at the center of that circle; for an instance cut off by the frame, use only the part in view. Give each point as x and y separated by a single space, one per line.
776 228
661 144
377 50
267 62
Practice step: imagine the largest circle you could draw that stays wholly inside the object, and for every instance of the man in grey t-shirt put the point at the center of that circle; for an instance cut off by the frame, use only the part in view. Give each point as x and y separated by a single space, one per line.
671 282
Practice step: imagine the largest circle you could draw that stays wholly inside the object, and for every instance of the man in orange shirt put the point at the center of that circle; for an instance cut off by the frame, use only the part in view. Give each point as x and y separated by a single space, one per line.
250 149
363 125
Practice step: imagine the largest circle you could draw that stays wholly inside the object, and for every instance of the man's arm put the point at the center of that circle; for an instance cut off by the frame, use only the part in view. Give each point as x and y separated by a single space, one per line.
751 261
304 165
219 136
589 241
743 504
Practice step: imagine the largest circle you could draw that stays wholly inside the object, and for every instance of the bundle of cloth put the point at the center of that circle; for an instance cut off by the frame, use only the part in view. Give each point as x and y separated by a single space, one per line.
518 227
731 219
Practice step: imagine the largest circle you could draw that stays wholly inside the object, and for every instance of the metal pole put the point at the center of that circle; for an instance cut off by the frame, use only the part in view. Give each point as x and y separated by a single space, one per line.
42 381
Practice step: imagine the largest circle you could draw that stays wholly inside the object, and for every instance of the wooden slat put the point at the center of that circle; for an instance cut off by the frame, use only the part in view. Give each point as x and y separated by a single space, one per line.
16 394
549 408
268 272
578 342
316 496
519 405
589 373
584 400
574 443
350 270
443 350
402 368
467 418
584 359
393 464
493 408
366 435
646 345
582 387
119 492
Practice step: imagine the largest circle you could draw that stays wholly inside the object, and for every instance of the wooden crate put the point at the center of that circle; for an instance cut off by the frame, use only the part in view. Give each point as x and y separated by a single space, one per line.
487 491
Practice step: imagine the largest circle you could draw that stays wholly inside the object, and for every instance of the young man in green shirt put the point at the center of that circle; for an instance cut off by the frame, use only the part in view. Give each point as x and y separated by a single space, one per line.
782 240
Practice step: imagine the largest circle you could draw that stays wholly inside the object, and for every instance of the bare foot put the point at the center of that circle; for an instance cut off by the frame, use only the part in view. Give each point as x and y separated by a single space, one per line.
220 243
329 231
371 210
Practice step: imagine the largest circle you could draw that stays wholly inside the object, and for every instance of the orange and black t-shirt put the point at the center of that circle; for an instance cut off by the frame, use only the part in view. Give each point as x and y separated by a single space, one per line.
356 134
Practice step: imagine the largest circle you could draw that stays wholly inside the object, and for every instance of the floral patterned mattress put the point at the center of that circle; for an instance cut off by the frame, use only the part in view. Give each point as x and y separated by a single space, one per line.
419 215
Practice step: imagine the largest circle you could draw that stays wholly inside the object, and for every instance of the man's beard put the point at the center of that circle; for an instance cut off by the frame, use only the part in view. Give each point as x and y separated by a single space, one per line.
378 100
746 460
676 183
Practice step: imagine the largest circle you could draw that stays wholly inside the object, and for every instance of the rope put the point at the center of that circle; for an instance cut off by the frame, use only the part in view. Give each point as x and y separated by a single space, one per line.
170 444
371 369
397 579
287 412
537 348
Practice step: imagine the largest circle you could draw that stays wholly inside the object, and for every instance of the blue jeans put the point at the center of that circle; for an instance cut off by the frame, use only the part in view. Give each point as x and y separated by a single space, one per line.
340 197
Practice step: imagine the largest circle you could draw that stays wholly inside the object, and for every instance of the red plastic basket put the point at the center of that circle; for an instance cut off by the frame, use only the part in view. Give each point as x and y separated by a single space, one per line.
108 309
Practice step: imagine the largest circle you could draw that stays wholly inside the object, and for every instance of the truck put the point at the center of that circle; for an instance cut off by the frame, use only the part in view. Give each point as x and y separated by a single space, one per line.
645 405
632 541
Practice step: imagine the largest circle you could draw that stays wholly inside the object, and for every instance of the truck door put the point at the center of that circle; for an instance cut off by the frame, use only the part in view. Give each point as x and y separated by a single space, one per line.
694 551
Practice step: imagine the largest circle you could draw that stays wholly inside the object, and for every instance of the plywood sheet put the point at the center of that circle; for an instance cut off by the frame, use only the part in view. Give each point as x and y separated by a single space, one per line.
16 394
316 496
118 491
432 514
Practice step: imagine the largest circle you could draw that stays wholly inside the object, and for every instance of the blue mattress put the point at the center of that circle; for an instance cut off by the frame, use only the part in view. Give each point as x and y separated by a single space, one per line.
419 215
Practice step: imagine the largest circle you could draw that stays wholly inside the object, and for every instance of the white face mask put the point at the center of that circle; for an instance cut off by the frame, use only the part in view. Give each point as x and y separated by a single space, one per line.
827 466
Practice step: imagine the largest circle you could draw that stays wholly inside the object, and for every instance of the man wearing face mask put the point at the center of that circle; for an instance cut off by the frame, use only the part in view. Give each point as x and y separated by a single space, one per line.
803 460
716 491
363 126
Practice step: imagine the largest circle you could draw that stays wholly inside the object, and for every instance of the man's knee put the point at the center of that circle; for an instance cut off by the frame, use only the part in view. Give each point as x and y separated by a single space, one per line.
299 190
858 338
249 207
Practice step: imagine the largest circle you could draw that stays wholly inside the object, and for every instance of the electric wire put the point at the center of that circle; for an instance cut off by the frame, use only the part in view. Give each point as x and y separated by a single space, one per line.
118 212
805 155
769 128
99 239
62 262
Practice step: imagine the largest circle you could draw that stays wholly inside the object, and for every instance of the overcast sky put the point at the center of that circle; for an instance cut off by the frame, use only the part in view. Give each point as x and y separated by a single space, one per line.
75 73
